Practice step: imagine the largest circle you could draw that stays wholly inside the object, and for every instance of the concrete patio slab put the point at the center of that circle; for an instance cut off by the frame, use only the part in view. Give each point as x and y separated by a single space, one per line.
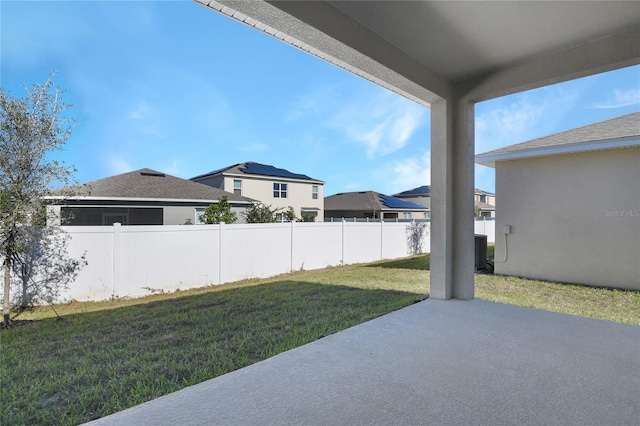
435 362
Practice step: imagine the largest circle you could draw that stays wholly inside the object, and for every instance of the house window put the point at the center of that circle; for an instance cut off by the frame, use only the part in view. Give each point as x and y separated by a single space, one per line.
237 186
199 212
314 192
406 215
279 190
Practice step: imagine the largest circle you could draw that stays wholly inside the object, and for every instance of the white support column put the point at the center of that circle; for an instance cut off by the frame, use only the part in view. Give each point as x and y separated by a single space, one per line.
452 185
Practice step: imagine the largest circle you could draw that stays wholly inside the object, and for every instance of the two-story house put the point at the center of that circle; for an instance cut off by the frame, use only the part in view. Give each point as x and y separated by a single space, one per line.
420 195
484 203
272 186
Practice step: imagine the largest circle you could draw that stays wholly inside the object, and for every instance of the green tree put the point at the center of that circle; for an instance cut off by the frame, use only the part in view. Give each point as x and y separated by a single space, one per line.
31 128
290 215
219 212
308 218
43 268
260 213
263 213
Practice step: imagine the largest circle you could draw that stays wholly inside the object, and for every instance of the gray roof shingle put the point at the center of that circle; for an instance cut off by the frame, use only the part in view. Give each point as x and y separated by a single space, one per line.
151 184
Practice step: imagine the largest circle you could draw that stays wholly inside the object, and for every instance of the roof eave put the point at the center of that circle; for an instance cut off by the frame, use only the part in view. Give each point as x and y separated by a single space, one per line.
140 199
489 159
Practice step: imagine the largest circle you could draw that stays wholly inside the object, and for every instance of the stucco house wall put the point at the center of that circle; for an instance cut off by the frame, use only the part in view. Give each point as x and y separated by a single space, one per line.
214 181
299 194
177 215
573 218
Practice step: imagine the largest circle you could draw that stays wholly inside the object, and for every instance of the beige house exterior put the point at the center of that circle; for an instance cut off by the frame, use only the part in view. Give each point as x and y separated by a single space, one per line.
569 206
272 186
484 203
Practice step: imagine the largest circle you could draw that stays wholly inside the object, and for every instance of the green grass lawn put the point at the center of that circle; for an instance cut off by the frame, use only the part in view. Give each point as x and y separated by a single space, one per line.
104 357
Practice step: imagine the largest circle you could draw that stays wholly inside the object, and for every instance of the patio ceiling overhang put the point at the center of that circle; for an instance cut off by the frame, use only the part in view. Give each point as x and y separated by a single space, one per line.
449 55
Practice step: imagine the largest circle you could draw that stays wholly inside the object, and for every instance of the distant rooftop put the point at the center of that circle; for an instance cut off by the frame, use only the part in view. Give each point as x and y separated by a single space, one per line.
253 168
619 132
151 184
368 200
424 190
479 191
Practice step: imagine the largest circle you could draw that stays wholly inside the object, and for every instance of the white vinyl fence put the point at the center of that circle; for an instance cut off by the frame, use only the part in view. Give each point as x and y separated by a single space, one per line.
134 261
486 227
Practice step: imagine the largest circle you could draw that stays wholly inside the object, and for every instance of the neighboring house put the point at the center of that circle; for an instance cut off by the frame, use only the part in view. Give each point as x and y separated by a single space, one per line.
569 206
142 197
272 186
420 195
372 205
485 202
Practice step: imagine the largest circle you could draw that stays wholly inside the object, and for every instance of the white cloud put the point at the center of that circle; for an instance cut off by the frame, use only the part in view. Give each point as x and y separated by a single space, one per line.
316 103
171 169
411 172
521 117
140 111
382 123
619 99
116 165
302 106
256 147
353 186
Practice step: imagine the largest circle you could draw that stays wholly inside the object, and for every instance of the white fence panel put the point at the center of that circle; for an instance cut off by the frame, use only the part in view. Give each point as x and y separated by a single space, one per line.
316 245
255 251
362 242
166 258
394 240
95 280
488 228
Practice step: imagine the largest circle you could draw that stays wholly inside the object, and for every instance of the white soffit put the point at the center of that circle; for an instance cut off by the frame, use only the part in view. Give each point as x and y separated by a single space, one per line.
425 49
463 39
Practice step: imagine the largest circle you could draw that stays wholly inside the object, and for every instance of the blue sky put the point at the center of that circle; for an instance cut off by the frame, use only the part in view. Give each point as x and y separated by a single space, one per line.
178 88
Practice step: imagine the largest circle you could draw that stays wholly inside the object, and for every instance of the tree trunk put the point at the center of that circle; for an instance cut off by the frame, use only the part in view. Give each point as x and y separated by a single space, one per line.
25 287
7 285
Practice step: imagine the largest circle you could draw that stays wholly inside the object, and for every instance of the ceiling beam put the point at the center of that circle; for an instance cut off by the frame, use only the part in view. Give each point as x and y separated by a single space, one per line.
593 57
